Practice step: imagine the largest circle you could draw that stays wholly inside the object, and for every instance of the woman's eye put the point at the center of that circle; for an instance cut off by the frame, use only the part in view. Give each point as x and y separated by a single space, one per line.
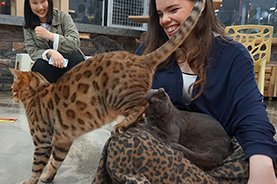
174 10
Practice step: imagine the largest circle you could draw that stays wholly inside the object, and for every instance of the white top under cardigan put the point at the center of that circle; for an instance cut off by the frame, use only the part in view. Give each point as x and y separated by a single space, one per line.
188 79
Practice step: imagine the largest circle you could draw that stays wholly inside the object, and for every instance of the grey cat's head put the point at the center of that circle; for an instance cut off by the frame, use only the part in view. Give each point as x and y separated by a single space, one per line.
158 102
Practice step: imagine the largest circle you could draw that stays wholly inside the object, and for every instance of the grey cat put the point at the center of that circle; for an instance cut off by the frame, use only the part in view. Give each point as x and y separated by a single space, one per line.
198 136
103 44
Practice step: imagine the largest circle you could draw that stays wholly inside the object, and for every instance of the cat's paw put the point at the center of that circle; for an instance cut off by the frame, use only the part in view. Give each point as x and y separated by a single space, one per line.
30 181
45 178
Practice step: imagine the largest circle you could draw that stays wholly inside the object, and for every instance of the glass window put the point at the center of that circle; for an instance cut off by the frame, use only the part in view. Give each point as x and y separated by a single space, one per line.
87 11
236 12
5 7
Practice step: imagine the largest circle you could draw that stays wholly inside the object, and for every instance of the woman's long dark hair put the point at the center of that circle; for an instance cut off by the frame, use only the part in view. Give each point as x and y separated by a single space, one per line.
197 57
31 20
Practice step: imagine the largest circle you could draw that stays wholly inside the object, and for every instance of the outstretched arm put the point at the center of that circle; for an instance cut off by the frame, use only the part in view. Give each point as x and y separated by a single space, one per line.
261 170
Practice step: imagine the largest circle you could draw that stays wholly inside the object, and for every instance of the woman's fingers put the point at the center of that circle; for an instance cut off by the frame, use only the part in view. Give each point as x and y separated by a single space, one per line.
58 63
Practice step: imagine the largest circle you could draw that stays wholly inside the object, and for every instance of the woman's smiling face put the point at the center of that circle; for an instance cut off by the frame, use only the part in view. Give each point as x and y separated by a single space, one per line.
39 8
172 13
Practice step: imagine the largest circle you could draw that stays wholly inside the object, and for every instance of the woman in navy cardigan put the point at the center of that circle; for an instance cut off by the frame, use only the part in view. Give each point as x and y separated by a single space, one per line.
210 74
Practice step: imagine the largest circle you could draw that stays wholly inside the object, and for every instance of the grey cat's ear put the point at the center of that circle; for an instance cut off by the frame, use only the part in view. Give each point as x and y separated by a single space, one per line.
161 90
162 93
149 94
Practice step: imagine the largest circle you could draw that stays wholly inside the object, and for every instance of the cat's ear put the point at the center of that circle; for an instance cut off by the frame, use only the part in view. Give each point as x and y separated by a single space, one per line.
14 72
162 94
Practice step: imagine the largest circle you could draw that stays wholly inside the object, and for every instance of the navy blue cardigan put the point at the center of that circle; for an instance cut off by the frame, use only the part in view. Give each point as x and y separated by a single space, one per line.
231 96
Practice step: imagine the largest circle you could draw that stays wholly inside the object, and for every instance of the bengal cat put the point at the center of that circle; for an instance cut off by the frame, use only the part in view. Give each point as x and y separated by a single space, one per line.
199 137
91 94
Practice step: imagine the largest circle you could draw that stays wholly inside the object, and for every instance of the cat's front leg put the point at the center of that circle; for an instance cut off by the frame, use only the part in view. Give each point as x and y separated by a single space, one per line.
31 180
41 157
59 152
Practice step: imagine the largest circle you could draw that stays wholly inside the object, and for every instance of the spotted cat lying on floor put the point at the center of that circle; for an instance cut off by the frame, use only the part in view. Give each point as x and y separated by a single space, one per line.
198 136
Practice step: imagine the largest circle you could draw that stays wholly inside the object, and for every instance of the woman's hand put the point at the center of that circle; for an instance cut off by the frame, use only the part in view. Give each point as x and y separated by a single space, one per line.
57 58
261 170
41 32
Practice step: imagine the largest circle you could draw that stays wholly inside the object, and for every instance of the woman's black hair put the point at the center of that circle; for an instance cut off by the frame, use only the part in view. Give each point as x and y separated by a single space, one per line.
32 20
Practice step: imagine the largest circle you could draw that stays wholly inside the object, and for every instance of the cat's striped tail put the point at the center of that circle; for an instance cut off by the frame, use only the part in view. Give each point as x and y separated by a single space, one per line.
159 55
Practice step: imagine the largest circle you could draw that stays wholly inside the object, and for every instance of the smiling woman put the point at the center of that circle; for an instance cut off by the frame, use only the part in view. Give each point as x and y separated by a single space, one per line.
51 39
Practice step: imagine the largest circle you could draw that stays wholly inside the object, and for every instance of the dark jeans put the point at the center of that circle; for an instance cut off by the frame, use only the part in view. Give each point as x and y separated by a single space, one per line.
51 73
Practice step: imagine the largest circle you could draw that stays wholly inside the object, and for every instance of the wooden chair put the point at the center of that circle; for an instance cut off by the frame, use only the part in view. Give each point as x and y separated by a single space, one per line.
257 39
